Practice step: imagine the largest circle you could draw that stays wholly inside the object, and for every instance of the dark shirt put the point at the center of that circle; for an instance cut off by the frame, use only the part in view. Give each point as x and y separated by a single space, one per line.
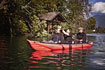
81 36
68 39
58 37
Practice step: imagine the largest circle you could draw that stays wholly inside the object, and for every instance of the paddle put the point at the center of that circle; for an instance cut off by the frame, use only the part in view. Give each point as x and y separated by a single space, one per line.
62 41
70 47
62 45
82 44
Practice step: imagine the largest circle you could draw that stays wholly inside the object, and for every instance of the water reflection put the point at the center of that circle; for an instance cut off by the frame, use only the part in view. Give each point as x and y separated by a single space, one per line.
90 59
97 57
3 49
15 54
73 59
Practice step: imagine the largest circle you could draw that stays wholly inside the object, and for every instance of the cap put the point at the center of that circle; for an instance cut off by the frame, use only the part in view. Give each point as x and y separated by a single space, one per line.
81 28
59 27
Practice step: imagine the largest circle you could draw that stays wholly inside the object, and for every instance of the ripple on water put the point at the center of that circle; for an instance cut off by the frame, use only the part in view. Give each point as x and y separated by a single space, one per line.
74 59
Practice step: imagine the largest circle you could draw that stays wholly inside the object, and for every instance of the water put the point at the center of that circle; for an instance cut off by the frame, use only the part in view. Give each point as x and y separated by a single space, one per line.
15 54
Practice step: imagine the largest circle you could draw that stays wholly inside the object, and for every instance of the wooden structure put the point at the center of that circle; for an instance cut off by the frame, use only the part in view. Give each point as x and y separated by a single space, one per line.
51 18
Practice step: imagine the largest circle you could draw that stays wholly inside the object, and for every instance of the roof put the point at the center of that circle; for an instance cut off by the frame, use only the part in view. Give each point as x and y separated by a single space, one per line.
51 16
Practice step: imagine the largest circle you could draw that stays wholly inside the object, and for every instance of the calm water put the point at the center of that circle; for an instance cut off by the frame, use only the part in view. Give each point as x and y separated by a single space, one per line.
15 54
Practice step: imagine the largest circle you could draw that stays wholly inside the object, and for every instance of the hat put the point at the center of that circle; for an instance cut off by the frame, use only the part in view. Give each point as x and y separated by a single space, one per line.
81 28
59 27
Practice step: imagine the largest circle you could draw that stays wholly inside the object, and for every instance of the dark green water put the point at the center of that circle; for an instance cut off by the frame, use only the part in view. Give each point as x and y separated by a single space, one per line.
15 54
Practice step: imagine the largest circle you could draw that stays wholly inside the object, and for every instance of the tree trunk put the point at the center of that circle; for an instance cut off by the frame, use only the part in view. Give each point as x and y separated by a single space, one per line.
11 29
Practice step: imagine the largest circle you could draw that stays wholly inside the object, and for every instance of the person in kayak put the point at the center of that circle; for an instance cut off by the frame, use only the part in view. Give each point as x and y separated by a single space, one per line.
68 36
81 35
58 36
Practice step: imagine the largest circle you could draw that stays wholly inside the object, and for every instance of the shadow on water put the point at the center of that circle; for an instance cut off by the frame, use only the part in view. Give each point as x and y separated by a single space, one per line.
15 54
3 49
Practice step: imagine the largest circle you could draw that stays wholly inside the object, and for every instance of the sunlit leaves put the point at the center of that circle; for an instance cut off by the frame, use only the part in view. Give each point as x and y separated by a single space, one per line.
38 26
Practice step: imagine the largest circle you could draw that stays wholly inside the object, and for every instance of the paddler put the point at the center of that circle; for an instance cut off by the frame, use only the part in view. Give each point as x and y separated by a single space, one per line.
68 36
81 35
58 36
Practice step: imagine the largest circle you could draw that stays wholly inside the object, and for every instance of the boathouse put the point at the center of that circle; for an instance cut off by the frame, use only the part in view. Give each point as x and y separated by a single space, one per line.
52 18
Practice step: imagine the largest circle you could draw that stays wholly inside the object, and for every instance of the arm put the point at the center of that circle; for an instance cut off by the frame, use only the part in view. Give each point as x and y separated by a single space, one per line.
65 33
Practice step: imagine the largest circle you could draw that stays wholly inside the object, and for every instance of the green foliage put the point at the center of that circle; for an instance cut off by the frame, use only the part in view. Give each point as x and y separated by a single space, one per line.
38 27
21 27
100 30
53 30
66 25
22 15
44 6
91 23
75 12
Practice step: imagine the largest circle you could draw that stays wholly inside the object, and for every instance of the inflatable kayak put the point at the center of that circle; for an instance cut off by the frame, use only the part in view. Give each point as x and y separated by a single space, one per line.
53 47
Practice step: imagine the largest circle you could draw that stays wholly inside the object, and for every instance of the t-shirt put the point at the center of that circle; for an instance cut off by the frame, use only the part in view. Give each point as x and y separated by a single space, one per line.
58 37
81 36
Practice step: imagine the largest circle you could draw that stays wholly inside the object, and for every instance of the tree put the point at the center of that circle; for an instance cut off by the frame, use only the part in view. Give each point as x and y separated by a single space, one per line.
100 30
76 13
2 3
91 23
17 16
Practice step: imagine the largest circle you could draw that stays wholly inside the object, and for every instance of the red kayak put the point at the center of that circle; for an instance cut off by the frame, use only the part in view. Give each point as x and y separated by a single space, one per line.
53 47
